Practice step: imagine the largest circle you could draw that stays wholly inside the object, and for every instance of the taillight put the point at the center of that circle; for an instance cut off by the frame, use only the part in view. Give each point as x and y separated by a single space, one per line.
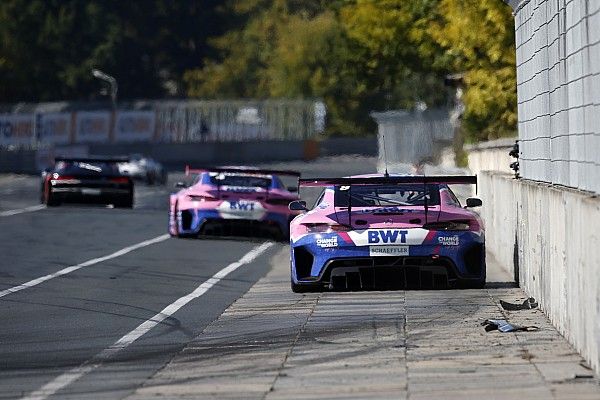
120 179
63 179
201 198
458 225
326 228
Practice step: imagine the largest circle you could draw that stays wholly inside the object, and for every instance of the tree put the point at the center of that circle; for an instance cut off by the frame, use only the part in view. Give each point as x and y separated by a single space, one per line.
48 47
478 39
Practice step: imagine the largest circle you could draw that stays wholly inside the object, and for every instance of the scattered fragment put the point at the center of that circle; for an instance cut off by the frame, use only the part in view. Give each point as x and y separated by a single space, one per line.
527 305
504 326
584 365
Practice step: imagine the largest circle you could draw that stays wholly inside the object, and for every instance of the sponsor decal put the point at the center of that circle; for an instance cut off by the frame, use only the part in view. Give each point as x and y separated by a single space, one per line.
449 240
239 189
241 209
328 242
382 237
386 210
380 251
242 205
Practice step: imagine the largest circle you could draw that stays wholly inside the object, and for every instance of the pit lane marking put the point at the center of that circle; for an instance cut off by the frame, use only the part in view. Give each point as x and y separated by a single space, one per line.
74 374
72 268
8 213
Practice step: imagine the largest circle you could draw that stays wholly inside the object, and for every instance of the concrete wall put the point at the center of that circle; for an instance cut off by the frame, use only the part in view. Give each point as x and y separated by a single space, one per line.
490 156
177 155
549 238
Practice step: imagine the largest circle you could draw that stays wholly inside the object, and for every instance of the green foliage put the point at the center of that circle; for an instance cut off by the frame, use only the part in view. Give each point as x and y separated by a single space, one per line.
478 39
48 47
357 55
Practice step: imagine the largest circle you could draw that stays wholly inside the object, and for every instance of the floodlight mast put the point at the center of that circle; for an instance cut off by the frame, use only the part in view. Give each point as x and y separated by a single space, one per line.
111 80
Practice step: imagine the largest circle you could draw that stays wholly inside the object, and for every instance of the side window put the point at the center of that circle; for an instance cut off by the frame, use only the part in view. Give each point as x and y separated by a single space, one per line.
319 199
453 197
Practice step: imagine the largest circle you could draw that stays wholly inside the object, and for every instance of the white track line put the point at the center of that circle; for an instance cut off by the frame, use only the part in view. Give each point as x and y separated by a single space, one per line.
22 210
74 374
72 268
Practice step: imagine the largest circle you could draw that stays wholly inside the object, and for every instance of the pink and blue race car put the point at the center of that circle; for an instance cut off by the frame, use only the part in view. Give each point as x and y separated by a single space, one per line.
387 232
233 201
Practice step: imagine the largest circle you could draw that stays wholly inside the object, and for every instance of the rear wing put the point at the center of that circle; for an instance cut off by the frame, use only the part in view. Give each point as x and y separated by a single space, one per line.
241 170
93 159
390 180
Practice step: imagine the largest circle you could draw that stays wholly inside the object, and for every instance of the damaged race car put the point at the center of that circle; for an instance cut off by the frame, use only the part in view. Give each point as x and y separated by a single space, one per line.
233 201
378 232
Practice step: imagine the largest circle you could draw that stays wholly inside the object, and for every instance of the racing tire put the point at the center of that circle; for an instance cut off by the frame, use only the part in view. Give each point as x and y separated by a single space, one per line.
124 203
477 284
296 288
49 199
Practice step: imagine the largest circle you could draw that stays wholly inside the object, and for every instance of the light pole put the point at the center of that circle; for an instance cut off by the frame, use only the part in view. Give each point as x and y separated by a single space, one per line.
111 81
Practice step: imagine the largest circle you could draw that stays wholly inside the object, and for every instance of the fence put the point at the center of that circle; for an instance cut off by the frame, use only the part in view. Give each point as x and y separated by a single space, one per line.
558 71
411 138
47 124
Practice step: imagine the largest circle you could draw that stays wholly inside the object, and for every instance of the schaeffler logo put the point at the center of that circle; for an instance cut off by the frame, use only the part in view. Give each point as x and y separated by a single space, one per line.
330 242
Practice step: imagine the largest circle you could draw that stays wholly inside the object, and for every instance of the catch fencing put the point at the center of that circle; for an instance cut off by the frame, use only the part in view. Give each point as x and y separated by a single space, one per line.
412 138
558 71
186 121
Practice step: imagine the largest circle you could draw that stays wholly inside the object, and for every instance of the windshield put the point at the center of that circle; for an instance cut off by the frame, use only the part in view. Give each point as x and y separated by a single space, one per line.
240 180
385 196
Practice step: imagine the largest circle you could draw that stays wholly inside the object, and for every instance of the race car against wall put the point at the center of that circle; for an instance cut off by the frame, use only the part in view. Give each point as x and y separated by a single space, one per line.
239 201
387 232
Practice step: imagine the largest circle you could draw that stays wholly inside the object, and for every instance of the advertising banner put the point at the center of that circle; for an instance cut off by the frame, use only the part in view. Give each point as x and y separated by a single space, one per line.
54 128
134 126
92 126
17 129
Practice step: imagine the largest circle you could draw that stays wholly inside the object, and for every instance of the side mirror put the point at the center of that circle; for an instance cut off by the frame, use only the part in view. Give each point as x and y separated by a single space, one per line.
180 185
298 205
473 202
292 189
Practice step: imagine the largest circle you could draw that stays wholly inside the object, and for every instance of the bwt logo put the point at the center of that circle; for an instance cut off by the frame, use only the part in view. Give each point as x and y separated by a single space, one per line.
241 205
387 236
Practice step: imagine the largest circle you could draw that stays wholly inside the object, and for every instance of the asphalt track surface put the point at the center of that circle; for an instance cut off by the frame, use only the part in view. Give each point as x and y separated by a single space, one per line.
66 320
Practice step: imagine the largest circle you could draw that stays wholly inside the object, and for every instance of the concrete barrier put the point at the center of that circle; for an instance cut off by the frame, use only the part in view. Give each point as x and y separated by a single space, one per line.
18 161
177 155
548 237
490 156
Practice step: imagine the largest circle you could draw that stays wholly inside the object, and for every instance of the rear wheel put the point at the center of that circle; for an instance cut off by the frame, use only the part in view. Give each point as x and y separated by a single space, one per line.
126 202
297 288
49 198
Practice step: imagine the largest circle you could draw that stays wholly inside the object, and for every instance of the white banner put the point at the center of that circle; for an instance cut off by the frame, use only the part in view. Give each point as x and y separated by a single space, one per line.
54 128
16 129
92 126
134 126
